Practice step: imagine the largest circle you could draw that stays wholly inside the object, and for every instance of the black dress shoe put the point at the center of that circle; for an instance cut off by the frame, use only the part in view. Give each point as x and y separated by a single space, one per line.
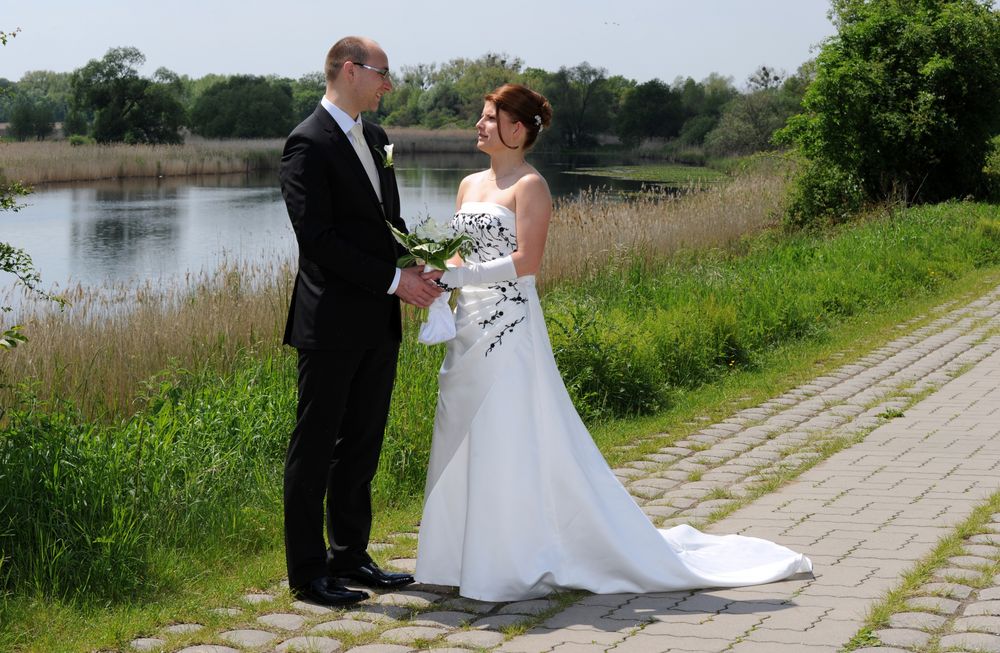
325 591
370 575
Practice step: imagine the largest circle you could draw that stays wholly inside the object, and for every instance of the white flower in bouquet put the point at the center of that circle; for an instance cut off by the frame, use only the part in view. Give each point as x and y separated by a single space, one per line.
430 243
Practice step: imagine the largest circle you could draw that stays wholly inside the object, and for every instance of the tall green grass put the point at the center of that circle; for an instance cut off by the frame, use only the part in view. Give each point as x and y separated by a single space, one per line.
90 508
627 339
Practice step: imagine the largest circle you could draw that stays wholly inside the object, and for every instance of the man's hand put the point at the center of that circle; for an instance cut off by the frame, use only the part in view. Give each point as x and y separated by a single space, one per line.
431 276
414 289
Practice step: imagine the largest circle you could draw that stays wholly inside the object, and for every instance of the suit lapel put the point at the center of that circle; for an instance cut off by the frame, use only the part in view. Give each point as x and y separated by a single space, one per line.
346 151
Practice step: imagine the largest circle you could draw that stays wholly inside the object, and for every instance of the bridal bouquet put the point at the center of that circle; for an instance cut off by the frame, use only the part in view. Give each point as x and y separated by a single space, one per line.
431 244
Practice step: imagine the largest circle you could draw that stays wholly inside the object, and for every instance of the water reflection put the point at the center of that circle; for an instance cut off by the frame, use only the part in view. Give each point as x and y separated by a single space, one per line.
119 229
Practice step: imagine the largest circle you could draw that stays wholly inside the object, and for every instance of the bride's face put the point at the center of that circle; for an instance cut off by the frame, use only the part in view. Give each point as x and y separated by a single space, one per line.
491 122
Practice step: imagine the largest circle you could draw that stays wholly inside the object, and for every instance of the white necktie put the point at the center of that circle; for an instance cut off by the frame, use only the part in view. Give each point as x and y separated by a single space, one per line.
367 160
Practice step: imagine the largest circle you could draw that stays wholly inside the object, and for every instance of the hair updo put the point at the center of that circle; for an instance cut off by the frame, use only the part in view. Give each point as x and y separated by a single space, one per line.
525 106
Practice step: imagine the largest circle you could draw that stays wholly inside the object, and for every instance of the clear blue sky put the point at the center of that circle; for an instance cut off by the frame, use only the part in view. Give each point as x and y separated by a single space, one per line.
640 39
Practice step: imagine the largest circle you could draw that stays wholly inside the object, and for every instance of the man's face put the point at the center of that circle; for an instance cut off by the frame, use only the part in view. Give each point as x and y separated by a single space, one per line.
370 86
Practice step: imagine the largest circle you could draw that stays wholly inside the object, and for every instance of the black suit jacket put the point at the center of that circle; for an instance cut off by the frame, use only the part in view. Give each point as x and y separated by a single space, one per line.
347 255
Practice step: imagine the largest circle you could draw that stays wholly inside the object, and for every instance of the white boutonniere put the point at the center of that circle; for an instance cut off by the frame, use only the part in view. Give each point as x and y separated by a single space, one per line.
387 157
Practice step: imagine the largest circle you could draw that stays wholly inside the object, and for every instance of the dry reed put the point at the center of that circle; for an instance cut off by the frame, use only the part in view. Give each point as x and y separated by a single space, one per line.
109 342
589 230
57 161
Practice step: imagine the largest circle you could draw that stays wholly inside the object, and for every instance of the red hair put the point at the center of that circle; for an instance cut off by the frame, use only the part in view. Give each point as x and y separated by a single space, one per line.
525 106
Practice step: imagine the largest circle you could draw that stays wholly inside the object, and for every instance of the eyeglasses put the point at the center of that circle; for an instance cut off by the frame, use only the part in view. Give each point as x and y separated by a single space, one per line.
382 72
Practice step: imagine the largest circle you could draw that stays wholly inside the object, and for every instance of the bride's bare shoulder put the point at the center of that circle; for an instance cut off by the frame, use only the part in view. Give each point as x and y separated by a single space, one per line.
469 182
533 184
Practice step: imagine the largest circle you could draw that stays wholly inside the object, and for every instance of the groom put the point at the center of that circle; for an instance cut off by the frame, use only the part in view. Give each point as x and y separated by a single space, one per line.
344 320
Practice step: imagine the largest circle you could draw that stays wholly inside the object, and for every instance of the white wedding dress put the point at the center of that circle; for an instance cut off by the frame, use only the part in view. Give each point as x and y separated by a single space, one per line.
519 501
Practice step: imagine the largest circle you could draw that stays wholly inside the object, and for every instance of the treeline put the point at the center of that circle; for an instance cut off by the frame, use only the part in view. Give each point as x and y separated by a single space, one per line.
109 101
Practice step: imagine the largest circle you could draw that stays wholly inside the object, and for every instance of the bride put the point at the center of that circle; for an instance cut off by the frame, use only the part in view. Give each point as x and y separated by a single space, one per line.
519 501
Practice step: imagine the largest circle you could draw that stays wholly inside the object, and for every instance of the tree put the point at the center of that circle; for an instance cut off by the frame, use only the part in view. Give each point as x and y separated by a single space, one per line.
650 110
307 91
126 107
702 104
903 104
31 119
749 121
49 87
581 102
244 106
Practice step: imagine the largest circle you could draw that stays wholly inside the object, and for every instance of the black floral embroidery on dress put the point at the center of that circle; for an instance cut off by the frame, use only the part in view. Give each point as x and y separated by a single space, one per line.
491 320
498 338
491 239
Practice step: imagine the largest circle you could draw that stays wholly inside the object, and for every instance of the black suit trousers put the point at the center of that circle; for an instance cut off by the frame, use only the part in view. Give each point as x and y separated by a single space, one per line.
333 454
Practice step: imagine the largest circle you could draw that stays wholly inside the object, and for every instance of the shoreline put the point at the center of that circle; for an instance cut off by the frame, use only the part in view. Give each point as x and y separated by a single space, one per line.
40 163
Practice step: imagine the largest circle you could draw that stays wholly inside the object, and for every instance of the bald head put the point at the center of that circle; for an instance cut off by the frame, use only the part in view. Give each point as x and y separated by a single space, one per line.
349 48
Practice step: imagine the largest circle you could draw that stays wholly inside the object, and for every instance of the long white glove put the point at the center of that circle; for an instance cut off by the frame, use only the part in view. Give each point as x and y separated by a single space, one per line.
472 273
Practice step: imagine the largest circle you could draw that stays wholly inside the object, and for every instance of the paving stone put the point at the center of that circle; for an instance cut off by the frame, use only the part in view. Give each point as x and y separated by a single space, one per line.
989 625
352 626
463 604
282 621
498 621
969 562
985 608
409 634
378 613
982 550
880 649
952 590
311 608
248 637
986 538
476 638
227 612
208 648
256 598
147 643
446 619
380 648
902 637
408 565
971 641
536 606
934 603
180 629
308 645
408 599
916 620
989 594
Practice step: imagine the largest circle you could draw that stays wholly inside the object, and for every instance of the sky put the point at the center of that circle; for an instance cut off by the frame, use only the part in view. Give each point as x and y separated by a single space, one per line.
638 39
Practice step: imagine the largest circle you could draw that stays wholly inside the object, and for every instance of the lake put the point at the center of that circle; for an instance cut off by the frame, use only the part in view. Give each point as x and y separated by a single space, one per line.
126 232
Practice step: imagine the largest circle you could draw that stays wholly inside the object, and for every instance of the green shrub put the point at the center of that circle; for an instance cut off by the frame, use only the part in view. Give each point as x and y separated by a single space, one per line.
608 369
80 139
823 193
